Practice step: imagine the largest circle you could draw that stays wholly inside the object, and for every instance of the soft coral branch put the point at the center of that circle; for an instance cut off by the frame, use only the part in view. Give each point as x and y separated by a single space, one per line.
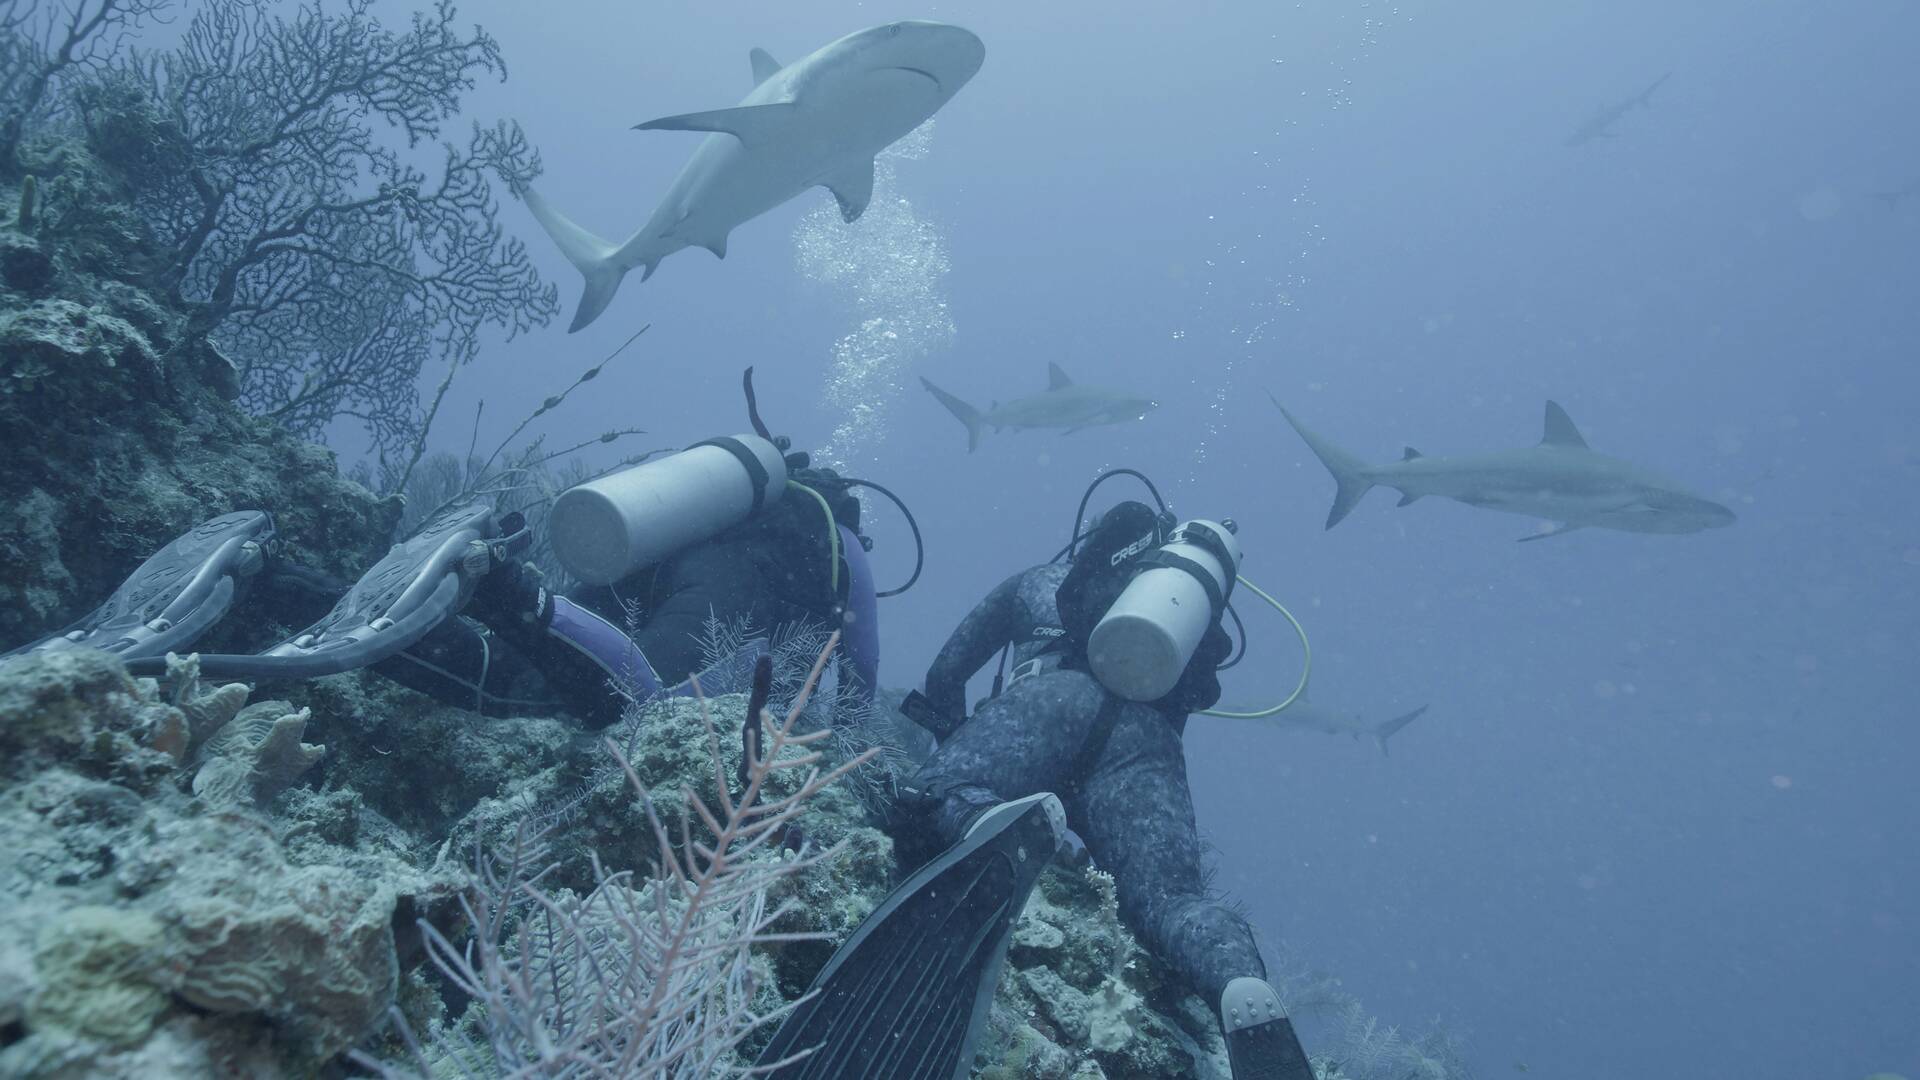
640 978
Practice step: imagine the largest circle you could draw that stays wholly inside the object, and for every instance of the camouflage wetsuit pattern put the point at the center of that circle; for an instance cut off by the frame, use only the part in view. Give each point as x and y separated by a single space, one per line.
1124 785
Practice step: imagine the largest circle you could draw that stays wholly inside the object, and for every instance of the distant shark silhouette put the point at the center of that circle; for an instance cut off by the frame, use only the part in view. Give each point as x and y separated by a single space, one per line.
1304 715
816 122
1898 195
1560 480
1600 125
1064 404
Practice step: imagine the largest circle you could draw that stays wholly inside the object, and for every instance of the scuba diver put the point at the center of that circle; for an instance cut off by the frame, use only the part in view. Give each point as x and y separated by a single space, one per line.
1114 649
735 529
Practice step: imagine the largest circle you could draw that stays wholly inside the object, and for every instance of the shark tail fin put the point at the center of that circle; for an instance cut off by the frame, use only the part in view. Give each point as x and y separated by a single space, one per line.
1392 727
965 413
1349 472
589 254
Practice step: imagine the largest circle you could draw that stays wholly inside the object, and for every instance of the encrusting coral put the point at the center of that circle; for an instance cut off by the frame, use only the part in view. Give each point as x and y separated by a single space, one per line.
256 756
139 915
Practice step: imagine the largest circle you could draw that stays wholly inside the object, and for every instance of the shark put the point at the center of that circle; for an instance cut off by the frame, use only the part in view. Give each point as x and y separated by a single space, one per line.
1064 404
1898 195
1561 480
1305 715
817 122
1600 126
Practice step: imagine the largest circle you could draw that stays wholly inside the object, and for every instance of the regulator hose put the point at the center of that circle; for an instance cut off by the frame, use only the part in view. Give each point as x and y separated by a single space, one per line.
919 546
1306 666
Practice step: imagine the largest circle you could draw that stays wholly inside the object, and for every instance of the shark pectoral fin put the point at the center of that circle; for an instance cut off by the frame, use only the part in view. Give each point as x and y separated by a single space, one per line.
1056 378
1558 530
1410 454
1408 499
764 65
1560 430
852 189
750 124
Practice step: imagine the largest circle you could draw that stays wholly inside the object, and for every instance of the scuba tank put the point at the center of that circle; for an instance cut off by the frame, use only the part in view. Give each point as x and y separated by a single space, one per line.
1140 647
607 528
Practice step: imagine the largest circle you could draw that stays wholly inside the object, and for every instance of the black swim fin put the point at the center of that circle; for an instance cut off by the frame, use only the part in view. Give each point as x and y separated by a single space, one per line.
908 995
175 596
1261 1044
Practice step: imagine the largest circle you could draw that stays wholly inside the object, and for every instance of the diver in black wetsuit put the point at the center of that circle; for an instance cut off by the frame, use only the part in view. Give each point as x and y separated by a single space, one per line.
735 529
1119 769
517 648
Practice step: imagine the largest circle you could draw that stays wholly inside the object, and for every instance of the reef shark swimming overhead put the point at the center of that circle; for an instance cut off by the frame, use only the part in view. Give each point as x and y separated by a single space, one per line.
1560 480
1064 404
816 122
1600 126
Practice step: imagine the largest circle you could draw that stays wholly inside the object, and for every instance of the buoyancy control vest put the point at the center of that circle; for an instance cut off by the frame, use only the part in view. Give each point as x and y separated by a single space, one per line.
1138 616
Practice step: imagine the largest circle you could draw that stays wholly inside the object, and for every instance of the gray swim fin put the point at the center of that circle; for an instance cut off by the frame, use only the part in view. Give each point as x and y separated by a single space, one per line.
908 995
175 596
421 581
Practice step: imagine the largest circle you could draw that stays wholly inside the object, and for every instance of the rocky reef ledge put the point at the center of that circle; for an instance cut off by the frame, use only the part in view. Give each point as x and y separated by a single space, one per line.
199 883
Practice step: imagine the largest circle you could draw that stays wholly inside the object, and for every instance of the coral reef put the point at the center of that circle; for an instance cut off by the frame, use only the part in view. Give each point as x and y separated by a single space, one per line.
151 927
257 756
146 927
1080 999
121 438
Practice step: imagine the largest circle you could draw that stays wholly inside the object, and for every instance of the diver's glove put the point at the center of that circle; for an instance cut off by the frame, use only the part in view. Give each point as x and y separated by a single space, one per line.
512 592
503 586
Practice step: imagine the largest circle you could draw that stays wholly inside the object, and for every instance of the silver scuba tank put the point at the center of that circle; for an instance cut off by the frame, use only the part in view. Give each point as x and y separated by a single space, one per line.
605 529
1141 645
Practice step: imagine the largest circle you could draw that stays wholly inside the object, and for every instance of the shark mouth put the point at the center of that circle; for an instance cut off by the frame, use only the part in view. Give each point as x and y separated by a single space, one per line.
923 73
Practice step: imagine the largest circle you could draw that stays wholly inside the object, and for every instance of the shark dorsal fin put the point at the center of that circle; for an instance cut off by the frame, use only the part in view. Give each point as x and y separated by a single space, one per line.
853 190
750 124
1560 430
1410 454
764 65
1057 379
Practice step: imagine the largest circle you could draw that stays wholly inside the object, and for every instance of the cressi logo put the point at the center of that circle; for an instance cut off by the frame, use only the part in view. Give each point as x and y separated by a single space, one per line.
1131 550
1049 632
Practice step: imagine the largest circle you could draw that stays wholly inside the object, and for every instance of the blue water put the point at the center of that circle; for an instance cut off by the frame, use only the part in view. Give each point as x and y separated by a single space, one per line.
1660 820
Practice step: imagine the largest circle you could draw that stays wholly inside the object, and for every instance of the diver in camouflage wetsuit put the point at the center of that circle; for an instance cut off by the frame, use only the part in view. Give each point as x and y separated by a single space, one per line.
1118 766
